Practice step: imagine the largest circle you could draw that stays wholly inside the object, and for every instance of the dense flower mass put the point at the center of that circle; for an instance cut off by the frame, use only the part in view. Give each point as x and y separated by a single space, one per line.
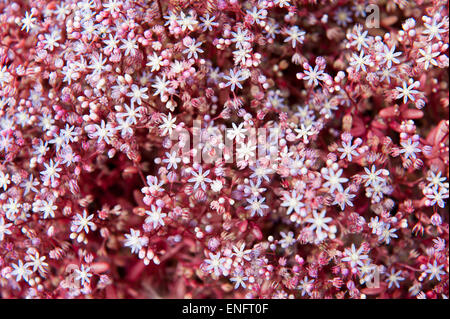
224 149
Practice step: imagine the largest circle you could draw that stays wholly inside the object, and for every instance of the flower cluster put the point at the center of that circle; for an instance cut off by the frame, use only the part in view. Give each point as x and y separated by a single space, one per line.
102 194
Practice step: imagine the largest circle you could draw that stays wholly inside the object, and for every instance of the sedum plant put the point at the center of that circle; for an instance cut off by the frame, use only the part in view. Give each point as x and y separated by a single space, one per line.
224 149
